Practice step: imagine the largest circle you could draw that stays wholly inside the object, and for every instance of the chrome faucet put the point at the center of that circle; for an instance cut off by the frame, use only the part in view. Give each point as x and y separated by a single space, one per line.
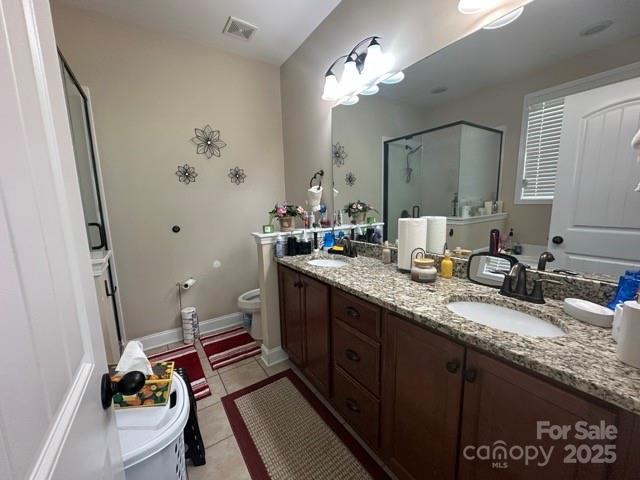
515 285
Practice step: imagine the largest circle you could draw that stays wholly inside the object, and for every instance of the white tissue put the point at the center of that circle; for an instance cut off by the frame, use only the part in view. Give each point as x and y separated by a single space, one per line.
134 359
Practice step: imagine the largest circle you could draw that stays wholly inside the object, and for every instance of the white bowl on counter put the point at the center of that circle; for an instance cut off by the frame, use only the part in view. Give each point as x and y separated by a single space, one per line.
589 312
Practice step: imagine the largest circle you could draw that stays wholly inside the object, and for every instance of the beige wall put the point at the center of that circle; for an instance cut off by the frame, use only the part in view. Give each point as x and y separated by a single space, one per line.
411 30
148 93
501 106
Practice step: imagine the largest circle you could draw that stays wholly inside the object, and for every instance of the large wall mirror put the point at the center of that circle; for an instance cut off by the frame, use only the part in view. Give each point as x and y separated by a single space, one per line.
526 128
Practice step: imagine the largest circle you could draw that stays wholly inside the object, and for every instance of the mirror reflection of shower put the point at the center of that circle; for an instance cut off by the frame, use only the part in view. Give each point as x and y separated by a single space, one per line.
410 151
445 171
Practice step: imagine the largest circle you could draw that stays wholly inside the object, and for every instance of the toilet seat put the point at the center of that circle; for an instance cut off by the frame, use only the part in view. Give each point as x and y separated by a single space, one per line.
250 301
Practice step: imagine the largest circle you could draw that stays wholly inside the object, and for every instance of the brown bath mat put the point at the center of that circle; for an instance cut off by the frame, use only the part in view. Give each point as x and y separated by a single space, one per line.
285 433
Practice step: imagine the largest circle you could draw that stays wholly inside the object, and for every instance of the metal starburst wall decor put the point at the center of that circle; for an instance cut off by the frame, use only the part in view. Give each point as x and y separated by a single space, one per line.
208 142
339 154
237 175
350 179
186 174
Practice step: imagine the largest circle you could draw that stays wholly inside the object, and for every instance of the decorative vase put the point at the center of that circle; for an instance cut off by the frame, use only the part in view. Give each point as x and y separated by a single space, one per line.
287 224
359 218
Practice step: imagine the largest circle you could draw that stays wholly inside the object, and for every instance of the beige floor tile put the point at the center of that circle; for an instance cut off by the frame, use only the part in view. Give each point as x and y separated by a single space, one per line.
277 368
153 351
224 461
242 376
173 345
233 366
214 425
217 392
206 366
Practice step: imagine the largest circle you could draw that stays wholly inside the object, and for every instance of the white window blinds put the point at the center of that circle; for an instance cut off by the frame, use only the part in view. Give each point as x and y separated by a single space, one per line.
542 148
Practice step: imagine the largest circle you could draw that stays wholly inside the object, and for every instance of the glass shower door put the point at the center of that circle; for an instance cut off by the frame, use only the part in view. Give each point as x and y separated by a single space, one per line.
85 160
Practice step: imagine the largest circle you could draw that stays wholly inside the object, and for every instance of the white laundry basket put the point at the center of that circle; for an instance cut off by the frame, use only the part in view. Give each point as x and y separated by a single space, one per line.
152 440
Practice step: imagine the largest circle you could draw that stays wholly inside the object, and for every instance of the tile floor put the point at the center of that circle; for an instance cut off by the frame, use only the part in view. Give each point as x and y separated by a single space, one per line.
224 460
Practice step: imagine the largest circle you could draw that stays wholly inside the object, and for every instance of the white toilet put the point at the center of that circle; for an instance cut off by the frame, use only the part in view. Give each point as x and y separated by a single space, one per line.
249 302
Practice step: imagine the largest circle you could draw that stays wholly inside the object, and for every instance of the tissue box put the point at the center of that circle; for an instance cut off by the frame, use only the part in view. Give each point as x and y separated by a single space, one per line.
155 392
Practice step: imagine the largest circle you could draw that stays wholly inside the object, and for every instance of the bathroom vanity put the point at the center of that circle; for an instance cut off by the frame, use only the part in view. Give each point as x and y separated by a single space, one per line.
424 388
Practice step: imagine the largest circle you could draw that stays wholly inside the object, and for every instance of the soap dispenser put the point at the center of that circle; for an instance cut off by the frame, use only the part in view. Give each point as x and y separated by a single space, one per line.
446 265
386 253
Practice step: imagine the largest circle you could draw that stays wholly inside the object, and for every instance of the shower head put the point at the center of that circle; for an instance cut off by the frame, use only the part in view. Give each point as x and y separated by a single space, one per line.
413 150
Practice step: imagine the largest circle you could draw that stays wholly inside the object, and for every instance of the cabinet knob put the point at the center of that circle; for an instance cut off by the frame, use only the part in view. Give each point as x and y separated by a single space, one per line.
453 366
557 240
470 375
352 405
352 312
352 355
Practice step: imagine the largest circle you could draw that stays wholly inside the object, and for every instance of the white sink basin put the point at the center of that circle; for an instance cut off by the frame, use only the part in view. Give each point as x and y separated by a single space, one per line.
505 319
327 263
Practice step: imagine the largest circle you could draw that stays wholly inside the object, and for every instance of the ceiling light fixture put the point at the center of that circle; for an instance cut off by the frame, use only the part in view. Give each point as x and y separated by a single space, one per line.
469 7
365 66
505 20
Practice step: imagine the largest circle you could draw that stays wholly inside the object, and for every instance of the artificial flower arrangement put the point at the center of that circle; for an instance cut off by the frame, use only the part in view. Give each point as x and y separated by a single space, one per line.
354 208
285 213
358 211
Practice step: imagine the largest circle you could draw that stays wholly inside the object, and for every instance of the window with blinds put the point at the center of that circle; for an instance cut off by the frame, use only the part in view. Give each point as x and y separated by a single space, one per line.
542 148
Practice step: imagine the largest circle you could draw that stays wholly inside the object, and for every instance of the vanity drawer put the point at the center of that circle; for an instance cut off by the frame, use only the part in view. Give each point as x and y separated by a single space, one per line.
358 355
358 407
359 314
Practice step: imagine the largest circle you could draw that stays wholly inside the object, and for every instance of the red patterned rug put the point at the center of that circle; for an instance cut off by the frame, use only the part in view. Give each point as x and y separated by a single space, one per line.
284 431
229 346
187 357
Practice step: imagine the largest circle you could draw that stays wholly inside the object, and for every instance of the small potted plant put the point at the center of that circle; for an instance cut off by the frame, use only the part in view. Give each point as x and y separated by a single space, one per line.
358 211
286 213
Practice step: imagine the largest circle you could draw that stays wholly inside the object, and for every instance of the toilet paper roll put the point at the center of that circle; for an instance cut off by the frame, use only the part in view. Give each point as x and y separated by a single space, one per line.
628 349
412 234
436 234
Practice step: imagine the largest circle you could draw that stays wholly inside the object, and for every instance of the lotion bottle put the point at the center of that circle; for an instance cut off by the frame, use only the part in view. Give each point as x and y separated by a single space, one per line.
386 253
446 266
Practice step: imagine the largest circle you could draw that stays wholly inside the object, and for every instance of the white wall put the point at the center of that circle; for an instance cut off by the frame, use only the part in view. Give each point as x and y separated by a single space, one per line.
149 92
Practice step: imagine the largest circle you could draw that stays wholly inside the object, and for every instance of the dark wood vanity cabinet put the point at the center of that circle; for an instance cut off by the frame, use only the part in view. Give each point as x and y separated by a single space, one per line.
421 395
305 320
419 399
504 404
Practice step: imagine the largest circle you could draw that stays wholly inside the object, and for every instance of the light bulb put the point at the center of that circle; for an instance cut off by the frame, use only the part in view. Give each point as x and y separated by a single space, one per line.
350 100
331 90
393 78
350 78
469 7
374 63
505 20
370 90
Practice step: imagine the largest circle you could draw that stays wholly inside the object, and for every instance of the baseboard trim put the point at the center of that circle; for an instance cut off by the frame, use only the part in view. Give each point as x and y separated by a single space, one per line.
173 335
272 356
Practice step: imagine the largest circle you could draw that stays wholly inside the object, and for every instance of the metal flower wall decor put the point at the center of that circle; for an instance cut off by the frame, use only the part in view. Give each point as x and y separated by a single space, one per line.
339 154
237 175
208 142
186 174
350 179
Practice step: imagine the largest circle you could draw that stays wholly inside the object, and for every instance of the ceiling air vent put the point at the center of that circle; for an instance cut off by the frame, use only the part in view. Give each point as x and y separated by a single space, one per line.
239 28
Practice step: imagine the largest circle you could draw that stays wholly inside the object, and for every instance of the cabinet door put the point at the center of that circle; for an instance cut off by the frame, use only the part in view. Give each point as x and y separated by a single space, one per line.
317 319
502 408
291 315
421 395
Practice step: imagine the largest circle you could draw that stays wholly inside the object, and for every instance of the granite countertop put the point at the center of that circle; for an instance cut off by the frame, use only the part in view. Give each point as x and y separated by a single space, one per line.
585 358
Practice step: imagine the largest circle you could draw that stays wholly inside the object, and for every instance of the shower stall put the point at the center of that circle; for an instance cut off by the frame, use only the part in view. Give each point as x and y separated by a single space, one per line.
440 170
